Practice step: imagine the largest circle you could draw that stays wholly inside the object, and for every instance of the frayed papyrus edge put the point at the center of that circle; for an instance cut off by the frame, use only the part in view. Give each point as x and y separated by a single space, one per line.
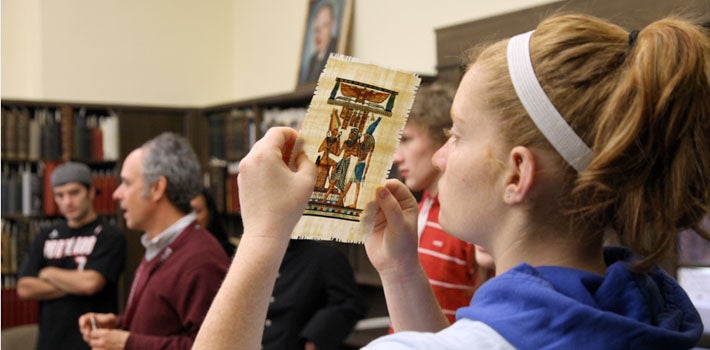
367 220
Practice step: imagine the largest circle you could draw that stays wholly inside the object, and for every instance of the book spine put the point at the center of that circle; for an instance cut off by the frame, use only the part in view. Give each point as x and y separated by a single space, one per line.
45 142
76 136
50 207
233 193
56 135
35 140
3 141
6 252
67 133
10 134
97 147
85 139
218 186
217 136
23 134
26 192
110 129
51 137
14 194
4 188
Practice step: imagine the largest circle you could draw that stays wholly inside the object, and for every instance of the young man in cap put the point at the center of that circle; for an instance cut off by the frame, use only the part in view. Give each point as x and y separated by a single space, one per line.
73 267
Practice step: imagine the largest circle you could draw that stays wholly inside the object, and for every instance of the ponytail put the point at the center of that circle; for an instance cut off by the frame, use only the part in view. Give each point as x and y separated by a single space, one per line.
649 175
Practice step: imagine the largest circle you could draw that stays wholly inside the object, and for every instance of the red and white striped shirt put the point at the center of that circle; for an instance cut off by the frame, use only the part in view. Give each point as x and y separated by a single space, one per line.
449 262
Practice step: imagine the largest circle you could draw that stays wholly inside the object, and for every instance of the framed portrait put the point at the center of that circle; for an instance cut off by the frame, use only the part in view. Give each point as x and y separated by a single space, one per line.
327 30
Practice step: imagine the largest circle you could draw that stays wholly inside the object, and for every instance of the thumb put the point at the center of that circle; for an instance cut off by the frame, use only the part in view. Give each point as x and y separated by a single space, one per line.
305 167
390 207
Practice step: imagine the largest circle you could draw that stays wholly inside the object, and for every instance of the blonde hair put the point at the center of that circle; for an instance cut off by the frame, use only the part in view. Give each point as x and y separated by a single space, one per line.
644 109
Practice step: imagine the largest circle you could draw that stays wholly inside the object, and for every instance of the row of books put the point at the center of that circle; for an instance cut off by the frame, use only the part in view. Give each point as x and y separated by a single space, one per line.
16 239
223 186
232 133
58 134
291 117
26 190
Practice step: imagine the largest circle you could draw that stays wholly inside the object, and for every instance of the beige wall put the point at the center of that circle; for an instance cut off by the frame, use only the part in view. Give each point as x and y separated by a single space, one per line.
197 53
20 47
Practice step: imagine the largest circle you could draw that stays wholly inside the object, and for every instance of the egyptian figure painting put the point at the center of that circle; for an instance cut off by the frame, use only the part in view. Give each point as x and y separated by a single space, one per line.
351 131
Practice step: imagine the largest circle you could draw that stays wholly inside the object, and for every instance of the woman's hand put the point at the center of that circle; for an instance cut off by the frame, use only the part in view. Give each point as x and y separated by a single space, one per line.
275 180
392 249
392 246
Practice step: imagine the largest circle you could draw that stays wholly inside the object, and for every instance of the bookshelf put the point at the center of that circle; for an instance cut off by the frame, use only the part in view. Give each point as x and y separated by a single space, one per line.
211 133
37 136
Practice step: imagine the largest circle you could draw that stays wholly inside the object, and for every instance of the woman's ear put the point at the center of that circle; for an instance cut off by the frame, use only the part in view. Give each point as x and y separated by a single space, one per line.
158 188
520 175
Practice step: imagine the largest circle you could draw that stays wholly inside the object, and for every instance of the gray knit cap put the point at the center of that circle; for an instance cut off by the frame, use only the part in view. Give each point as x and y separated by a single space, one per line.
71 172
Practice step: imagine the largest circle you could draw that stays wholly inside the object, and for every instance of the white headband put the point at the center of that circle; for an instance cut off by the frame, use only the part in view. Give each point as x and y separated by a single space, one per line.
538 105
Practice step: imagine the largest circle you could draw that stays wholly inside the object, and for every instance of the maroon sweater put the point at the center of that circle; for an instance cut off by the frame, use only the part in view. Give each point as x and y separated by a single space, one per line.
181 282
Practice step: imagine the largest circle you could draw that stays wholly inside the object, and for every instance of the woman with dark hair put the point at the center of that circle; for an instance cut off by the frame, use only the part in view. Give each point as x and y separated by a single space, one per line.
208 217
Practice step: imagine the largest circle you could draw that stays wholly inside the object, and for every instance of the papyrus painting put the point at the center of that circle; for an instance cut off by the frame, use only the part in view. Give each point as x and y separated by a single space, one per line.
351 131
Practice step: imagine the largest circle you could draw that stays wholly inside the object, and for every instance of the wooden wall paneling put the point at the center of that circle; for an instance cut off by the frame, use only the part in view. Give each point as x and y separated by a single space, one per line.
453 41
138 126
196 130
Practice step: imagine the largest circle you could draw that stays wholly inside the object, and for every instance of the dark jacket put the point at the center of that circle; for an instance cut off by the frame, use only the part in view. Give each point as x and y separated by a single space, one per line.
315 298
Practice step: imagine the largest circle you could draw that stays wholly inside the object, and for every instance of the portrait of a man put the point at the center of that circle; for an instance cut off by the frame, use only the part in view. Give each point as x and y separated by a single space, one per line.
326 32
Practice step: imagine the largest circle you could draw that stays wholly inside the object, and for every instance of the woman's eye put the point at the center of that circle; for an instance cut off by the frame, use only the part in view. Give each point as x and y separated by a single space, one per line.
450 135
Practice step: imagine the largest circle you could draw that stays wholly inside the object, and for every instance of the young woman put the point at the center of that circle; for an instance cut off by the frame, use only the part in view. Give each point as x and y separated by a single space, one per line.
560 137
209 217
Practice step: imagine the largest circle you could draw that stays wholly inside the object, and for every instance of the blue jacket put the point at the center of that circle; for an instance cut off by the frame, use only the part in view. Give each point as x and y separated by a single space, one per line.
561 308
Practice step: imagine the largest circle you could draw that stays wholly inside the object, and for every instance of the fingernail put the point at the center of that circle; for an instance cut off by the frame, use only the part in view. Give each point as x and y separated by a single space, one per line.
382 192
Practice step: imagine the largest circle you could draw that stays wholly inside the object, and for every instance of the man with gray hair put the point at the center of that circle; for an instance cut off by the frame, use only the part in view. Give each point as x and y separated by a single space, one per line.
73 267
183 265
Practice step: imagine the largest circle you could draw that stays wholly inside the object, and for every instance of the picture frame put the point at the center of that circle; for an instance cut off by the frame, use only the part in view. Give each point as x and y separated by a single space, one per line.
327 31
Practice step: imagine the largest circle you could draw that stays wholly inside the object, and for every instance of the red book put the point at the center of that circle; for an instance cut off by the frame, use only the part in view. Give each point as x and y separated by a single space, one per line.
97 144
236 208
67 132
50 207
110 185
